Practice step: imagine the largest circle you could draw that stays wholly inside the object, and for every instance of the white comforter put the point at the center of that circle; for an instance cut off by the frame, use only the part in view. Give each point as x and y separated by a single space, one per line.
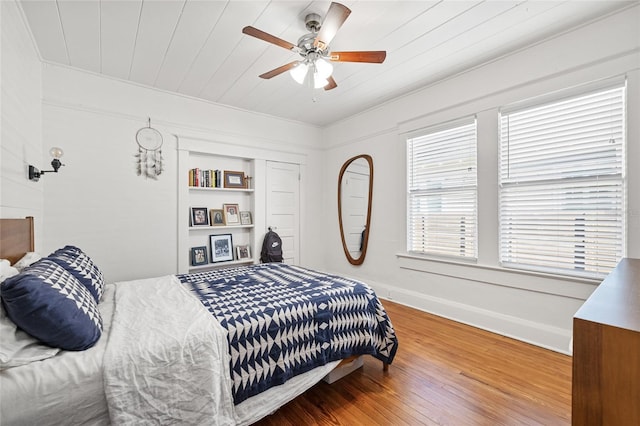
162 359
168 368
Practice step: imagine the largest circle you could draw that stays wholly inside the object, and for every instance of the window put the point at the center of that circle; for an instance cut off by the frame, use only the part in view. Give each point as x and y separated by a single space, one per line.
561 185
442 187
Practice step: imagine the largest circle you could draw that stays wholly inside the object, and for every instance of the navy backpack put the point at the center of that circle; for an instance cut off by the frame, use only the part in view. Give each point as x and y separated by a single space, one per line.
271 248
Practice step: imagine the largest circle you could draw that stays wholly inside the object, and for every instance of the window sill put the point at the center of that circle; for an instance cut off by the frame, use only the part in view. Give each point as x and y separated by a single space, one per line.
559 285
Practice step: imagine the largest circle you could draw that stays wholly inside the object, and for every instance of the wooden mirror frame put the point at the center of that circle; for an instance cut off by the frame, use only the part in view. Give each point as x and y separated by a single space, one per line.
365 240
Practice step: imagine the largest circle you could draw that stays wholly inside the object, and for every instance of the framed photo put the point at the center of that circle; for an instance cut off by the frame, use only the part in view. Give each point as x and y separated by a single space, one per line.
199 216
221 248
245 218
243 252
231 214
199 256
217 217
234 179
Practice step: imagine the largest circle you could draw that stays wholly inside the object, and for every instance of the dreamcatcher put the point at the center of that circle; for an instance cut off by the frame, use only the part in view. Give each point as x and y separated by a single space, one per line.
149 154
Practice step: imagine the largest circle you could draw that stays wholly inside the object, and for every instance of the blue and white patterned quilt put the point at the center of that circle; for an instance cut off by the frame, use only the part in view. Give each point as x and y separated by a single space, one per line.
284 320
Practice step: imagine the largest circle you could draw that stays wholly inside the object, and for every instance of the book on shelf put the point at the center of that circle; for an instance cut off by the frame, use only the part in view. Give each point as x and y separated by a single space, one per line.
202 178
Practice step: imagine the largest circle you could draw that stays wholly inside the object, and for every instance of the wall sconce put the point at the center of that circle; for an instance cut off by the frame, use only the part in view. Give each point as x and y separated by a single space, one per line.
56 153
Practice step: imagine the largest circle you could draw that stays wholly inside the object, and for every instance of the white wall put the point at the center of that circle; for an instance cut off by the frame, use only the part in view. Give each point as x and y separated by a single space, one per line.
21 119
527 306
126 223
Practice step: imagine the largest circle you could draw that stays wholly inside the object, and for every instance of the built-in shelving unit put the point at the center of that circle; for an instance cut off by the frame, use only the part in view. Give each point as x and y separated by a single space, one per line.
236 155
205 157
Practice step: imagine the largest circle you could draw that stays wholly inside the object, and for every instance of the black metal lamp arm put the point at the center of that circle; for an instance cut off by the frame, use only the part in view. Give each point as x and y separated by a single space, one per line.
34 173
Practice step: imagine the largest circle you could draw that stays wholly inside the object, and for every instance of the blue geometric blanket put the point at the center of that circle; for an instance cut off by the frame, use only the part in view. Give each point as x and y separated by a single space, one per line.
284 320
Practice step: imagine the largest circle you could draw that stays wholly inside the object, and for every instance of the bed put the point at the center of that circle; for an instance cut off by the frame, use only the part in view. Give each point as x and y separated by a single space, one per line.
227 356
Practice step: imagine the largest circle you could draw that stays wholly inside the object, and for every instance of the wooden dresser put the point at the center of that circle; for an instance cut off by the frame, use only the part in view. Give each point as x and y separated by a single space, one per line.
606 351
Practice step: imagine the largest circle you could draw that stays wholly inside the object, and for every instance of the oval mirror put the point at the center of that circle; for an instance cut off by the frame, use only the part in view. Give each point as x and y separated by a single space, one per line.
355 189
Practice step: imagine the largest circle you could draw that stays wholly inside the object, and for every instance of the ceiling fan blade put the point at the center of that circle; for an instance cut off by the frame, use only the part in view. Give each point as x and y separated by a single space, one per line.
332 84
279 70
371 56
335 17
254 32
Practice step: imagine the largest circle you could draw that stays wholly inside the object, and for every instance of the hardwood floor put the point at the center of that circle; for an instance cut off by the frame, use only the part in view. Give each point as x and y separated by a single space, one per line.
444 373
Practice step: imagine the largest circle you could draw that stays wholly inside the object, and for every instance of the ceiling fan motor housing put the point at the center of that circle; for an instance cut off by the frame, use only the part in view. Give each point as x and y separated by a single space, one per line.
305 43
312 22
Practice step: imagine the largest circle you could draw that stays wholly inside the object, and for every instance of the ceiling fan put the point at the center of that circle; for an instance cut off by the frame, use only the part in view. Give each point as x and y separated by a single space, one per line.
314 69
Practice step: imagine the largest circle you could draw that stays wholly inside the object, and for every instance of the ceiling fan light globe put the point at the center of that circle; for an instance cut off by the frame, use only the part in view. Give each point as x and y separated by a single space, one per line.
298 73
323 68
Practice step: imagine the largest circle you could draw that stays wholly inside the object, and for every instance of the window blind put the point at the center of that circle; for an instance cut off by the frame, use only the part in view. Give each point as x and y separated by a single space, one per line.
442 188
562 185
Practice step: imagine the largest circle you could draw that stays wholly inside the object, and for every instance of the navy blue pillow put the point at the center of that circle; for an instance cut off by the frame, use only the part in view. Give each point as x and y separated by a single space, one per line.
50 304
82 267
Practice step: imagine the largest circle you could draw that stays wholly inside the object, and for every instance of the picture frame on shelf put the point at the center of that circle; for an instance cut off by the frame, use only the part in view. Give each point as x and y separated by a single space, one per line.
243 252
245 218
199 216
234 180
217 217
231 214
221 248
199 256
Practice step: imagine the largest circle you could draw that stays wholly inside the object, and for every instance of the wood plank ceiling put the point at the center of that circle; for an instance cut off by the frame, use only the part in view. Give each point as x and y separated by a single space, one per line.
196 47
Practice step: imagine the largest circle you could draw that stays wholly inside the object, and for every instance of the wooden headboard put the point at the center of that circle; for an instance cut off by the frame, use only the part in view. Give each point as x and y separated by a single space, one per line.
16 238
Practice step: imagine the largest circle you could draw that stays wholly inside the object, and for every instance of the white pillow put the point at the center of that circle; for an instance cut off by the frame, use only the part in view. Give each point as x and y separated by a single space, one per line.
16 346
27 260
6 270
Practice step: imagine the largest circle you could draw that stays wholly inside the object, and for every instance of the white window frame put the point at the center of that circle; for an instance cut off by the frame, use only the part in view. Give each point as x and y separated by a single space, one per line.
450 176
596 243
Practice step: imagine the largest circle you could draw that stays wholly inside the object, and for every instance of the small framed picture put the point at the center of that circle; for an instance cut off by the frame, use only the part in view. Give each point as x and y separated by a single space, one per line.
217 217
245 218
199 256
243 252
199 216
221 248
231 214
234 179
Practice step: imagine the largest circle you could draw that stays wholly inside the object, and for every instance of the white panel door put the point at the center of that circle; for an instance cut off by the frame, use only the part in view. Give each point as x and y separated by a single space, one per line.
283 207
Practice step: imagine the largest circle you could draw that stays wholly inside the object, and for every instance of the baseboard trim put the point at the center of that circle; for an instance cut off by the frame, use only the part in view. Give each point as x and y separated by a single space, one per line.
549 337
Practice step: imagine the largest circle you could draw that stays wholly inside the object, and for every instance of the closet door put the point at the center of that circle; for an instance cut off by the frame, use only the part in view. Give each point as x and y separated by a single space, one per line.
283 207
